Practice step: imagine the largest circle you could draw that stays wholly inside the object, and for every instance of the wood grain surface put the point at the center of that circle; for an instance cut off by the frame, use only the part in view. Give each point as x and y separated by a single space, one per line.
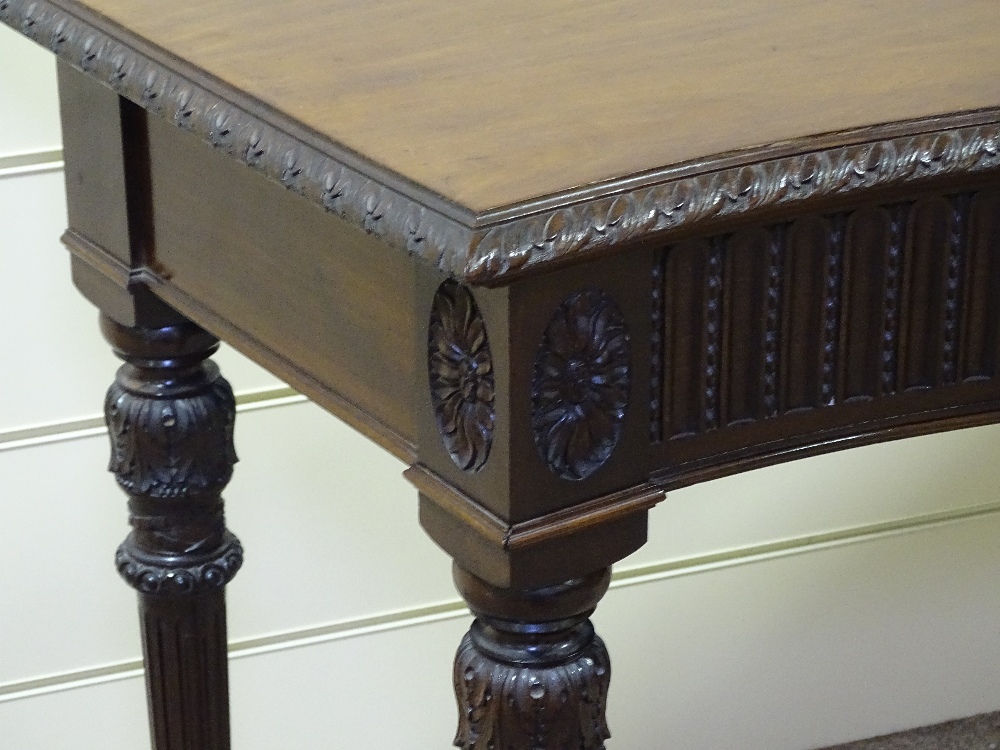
491 105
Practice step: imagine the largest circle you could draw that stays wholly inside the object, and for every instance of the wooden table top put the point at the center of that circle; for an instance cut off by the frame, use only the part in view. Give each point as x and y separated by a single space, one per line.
493 104
485 113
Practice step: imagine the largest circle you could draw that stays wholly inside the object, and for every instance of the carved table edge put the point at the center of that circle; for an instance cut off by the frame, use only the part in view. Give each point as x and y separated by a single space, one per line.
491 247
537 530
354 415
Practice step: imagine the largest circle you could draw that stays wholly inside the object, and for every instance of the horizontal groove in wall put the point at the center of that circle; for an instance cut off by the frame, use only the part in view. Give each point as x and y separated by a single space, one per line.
57 432
797 545
453 609
31 162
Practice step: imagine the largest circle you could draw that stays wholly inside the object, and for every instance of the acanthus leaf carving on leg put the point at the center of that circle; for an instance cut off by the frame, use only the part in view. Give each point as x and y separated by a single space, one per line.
170 419
526 684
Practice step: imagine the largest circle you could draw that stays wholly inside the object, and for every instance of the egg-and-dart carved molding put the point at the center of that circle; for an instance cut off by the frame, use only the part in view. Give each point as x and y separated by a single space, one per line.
488 248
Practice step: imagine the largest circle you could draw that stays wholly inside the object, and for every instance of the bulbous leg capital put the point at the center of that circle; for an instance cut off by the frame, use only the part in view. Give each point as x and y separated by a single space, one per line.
531 674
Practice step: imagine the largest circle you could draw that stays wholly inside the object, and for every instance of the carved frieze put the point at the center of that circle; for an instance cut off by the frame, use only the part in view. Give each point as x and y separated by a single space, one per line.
676 200
580 385
826 310
460 371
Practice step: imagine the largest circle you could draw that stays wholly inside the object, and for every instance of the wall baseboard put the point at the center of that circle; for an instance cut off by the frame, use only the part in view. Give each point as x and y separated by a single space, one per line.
980 732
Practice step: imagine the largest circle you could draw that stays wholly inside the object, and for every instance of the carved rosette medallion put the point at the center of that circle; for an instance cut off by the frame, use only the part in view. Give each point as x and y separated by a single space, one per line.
460 371
580 385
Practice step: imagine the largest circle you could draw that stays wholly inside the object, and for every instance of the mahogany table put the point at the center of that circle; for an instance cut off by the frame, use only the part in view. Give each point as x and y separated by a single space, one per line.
559 257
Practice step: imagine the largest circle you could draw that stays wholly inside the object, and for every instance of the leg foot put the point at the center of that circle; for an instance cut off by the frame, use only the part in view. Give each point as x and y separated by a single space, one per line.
531 674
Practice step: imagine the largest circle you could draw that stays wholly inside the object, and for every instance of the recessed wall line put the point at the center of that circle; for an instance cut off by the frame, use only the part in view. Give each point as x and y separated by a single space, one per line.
454 609
76 429
31 162
797 545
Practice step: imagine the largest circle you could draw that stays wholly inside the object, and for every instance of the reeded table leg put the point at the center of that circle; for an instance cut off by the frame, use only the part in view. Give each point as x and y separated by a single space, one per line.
170 416
531 674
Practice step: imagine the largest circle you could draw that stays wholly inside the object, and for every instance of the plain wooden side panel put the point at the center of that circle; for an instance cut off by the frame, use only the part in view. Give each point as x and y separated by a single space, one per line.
303 283
95 163
685 291
744 305
982 315
868 234
805 279
924 289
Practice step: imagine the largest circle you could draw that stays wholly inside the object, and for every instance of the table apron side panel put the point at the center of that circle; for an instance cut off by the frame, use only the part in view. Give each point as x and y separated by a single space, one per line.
325 305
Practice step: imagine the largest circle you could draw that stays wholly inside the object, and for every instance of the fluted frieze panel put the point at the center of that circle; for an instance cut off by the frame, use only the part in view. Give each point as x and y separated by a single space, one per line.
980 325
773 332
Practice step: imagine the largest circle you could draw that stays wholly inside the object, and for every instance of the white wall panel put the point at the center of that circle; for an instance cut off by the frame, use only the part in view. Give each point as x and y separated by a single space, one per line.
869 485
389 691
791 653
62 602
29 111
797 652
56 366
111 716
329 526
810 650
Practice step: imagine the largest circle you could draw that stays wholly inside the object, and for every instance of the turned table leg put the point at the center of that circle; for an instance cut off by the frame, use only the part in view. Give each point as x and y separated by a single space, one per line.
170 417
531 674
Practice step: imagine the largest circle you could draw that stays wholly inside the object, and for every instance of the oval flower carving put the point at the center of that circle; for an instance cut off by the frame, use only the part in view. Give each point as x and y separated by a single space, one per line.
580 385
460 370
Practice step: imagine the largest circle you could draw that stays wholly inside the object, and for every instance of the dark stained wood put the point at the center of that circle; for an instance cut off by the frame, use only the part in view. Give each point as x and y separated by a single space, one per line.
170 417
747 234
531 672
310 290
543 550
804 282
745 297
981 325
923 297
95 162
873 300
544 322
107 188
866 248
683 337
